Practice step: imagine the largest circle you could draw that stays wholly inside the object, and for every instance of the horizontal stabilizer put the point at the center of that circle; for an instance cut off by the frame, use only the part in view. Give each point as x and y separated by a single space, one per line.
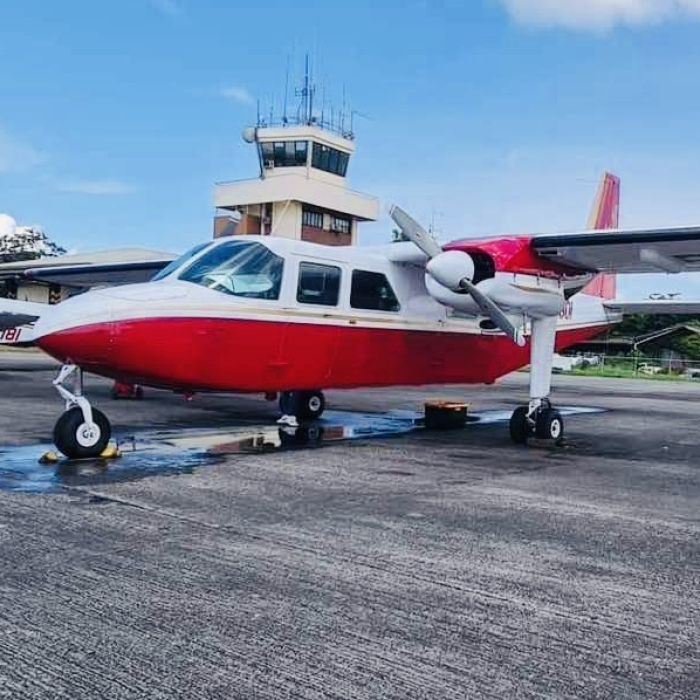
649 306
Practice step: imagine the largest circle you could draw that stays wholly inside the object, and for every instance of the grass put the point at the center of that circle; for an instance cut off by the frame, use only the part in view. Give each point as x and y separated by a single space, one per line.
626 373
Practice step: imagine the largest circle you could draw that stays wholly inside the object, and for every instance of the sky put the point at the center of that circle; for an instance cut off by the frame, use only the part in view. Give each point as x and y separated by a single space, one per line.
481 117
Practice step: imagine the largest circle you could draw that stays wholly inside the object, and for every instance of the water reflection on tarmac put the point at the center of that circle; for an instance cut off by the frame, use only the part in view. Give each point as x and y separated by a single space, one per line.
169 452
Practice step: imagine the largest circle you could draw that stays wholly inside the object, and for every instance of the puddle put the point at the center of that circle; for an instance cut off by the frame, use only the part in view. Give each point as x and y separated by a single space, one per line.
171 452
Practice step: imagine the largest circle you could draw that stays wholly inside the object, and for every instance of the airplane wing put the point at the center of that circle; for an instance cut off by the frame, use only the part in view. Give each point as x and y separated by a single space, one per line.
85 270
670 250
649 306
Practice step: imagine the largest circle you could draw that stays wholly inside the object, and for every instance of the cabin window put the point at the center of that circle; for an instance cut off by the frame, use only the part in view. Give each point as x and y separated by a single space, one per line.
312 218
371 290
318 284
238 268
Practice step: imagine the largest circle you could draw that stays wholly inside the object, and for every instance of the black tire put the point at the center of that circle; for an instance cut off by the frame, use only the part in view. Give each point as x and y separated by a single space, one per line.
519 427
310 405
550 425
67 436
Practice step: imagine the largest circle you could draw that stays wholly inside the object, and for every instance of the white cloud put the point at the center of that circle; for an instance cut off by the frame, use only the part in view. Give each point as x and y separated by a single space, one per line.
239 94
599 15
16 156
95 187
167 7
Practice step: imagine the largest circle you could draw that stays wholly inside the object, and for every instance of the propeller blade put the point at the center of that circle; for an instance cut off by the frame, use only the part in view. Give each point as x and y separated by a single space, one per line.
415 232
421 238
491 310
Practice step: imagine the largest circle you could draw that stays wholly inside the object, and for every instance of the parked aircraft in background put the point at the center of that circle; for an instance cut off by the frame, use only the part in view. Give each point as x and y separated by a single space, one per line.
51 280
266 314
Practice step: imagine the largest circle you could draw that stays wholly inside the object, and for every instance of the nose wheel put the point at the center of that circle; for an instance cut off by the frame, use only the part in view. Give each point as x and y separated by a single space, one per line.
78 439
82 431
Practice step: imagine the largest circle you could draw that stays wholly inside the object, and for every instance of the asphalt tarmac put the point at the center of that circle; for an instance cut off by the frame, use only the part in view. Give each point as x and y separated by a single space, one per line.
416 565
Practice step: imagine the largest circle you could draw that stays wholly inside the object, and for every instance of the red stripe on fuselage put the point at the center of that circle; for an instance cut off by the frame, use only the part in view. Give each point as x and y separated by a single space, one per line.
199 354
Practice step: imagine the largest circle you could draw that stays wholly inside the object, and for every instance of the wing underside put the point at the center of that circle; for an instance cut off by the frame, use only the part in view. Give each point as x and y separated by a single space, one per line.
671 250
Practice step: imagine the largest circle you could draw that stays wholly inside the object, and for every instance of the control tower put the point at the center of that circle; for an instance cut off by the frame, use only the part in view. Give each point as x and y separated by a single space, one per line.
302 191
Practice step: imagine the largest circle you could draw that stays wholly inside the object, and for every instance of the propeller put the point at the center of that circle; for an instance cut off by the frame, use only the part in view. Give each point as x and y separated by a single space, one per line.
452 270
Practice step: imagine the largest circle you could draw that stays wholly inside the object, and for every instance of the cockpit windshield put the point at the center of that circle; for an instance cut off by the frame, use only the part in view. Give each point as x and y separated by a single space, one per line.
179 262
239 268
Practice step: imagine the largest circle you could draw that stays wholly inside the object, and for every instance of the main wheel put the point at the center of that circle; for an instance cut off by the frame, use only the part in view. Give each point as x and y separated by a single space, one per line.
310 405
76 439
519 427
550 425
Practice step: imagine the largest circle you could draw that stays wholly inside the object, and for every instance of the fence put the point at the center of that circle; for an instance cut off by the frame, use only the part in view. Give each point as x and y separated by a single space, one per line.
671 366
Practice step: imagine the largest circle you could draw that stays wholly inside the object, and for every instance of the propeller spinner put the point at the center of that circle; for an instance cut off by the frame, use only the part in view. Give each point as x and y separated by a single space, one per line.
453 270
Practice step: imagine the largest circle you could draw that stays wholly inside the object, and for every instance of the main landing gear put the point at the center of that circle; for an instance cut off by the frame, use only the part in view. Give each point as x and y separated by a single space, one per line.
304 405
82 431
539 418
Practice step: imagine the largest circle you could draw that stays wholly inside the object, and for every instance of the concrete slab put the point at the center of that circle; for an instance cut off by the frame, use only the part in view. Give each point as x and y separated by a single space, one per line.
427 565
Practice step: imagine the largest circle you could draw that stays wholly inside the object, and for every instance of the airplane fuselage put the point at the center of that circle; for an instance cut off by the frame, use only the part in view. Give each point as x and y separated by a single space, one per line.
287 315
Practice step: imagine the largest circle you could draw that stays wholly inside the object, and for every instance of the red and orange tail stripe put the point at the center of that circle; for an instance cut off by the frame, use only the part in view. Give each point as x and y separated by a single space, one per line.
605 215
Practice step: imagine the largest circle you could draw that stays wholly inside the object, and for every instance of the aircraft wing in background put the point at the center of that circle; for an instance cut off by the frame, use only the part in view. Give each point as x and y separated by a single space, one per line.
649 306
85 270
85 276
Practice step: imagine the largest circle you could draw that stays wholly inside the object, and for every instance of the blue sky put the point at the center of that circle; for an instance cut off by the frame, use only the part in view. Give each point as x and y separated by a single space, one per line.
488 116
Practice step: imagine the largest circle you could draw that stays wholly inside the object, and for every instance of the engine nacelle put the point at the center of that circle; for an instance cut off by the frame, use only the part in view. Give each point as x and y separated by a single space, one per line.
450 268
526 295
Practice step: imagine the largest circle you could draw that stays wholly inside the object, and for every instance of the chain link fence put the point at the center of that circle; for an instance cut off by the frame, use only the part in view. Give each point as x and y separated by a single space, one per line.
671 366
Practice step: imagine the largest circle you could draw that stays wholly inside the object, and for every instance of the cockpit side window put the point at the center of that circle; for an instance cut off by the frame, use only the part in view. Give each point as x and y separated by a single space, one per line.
238 268
179 262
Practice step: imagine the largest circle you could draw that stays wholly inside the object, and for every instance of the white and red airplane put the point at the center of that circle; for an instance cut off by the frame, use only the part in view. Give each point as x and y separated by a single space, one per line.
266 314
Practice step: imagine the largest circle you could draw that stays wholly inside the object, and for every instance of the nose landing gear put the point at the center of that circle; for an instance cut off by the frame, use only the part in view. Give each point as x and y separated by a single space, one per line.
82 431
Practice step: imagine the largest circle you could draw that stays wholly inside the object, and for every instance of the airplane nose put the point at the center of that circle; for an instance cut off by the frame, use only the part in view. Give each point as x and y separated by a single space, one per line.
87 346
77 331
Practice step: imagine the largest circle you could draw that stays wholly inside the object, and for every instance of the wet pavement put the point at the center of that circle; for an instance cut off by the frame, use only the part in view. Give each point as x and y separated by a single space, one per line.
414 565
150 453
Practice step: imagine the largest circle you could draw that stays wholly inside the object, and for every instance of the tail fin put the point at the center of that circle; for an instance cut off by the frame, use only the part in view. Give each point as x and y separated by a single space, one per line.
605 215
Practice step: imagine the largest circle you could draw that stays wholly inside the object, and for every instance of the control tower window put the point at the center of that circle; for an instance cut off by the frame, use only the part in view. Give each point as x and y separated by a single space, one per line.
340 224
238 268
312 218
284 154
371 290
330 160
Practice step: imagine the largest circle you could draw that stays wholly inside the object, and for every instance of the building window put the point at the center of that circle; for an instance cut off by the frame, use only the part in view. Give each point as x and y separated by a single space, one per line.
284 154
311 218
318 284
340 224
330 159
371 290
